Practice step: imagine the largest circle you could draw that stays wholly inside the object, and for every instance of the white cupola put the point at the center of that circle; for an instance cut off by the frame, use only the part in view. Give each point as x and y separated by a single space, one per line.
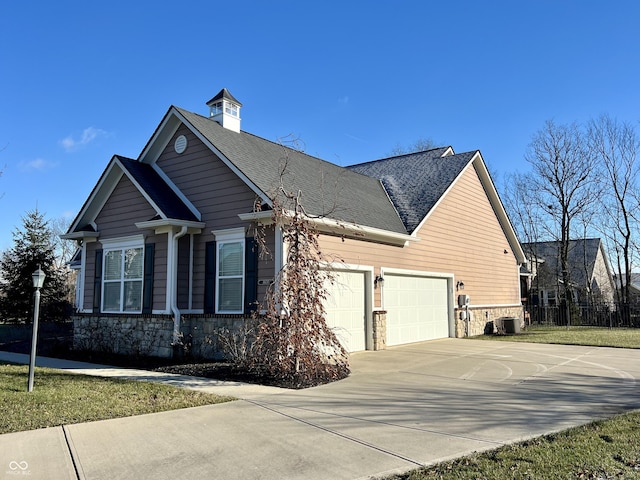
225 109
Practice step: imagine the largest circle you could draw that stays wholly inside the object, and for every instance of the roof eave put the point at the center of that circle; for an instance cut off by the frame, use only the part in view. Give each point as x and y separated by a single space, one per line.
169 223
81 235
337 227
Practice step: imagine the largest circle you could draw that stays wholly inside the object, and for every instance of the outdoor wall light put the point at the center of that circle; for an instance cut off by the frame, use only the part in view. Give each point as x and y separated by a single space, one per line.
460 285
379 280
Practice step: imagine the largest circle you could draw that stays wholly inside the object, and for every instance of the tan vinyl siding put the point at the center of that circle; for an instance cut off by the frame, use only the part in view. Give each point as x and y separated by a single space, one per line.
462 237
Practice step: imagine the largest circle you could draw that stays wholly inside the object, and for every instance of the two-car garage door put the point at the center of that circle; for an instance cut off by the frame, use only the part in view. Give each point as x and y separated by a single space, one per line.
417 308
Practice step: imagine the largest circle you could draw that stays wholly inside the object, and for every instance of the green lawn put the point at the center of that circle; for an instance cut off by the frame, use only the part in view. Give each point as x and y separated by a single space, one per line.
60 398
604 450
595 336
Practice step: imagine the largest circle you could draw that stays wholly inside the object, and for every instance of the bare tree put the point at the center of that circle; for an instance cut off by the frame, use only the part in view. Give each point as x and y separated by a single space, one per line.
615 145
420 145
563 184
63 249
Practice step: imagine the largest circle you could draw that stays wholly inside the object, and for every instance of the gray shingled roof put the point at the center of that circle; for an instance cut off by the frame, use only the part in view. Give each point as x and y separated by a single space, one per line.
158 190
582 253
416 181
327 189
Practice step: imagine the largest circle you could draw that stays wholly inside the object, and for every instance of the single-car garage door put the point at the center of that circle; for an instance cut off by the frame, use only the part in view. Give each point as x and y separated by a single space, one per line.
345 307
417 308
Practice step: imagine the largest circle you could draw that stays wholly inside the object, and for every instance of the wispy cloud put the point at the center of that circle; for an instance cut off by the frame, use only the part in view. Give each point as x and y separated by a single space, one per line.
37 165
88 135
343 100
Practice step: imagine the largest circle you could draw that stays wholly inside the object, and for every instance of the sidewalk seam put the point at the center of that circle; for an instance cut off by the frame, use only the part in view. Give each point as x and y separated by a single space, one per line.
342 435
72 452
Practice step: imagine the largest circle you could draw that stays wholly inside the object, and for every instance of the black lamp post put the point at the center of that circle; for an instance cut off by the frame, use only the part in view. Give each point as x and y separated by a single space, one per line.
38 279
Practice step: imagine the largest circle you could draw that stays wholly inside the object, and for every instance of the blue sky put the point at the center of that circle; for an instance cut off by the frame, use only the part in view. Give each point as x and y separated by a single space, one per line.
82 81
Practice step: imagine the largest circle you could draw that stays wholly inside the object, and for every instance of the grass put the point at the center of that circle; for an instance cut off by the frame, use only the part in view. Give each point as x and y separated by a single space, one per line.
592 336
60 398
605 449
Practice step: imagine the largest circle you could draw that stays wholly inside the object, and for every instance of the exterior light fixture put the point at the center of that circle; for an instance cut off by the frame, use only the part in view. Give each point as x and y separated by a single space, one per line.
379 281
460 285
38 280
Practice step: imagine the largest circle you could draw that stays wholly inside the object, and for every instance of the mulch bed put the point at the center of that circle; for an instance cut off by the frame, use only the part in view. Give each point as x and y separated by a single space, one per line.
224 371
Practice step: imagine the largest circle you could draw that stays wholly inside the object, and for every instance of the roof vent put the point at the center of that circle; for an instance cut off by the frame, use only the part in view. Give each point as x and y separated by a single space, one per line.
225 109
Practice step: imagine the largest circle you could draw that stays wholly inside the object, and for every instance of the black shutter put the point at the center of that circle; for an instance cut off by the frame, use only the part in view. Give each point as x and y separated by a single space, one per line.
97 282
147 287
250 275
210 277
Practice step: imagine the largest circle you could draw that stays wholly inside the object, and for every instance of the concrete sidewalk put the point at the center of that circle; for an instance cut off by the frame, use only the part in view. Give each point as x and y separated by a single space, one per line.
400 408
206 385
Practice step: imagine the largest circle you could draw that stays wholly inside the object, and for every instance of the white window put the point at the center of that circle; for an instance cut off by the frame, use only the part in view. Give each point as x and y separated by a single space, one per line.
216 108
230 246
231 109
122 275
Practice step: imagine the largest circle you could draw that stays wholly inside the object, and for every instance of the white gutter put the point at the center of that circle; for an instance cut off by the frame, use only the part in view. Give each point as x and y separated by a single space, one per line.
337 227
173 271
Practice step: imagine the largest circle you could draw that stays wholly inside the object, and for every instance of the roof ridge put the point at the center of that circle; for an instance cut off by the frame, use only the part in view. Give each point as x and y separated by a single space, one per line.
403 155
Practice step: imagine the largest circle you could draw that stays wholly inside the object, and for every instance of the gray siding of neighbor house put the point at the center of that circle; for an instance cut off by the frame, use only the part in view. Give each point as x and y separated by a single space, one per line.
215 190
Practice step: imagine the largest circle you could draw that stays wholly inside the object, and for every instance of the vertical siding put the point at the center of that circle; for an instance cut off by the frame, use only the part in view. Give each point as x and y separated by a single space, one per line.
462 236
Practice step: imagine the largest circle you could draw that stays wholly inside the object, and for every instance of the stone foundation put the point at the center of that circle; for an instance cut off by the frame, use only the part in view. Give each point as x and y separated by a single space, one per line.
152 335
483 319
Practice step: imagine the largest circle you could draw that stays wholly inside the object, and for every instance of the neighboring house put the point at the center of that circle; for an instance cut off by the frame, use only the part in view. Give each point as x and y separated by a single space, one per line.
634 287
167 254
590 273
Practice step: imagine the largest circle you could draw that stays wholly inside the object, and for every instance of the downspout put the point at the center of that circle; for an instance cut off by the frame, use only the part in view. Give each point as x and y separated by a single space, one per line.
174 286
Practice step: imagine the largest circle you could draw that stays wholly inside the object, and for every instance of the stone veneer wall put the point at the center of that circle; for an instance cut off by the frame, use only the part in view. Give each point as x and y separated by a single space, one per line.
482 319
379 330
152 335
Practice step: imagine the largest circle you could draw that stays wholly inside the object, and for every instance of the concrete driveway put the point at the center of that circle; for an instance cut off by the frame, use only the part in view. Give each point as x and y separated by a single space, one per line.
401 408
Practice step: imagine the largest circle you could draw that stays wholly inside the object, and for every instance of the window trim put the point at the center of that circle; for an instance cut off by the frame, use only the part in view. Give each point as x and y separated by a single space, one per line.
121 244
223 237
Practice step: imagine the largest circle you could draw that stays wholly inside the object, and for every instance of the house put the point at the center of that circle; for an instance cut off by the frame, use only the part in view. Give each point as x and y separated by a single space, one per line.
589 270
167 249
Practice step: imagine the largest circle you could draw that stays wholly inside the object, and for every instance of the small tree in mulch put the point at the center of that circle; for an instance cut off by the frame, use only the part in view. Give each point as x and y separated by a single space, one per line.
293 341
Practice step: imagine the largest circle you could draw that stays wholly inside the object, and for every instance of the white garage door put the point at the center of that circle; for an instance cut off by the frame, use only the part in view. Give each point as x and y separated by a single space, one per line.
345 308
416 308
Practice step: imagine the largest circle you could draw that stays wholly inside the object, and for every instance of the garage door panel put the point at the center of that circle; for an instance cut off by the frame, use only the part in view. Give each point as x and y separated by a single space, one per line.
417 308
345 308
